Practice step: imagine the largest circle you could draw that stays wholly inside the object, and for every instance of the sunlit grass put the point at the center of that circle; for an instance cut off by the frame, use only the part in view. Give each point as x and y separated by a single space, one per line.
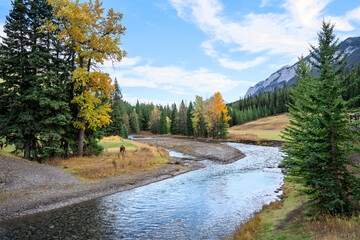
9 148
265 128
117 144
138 157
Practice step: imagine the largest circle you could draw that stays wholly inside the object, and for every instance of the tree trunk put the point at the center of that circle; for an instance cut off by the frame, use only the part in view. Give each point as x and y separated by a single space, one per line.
27 148
81 139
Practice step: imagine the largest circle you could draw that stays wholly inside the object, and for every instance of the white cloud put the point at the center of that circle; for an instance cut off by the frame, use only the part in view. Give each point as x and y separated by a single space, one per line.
307 12
275 33
227 63
176 79
353 15
209 49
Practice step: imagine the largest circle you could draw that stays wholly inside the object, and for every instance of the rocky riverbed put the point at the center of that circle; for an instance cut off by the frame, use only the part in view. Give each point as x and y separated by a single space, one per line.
200 149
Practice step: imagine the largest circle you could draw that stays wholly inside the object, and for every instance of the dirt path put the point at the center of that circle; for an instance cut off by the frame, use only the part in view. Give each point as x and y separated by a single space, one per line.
202 150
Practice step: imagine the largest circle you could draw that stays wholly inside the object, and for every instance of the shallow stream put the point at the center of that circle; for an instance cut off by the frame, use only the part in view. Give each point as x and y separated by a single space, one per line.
208 203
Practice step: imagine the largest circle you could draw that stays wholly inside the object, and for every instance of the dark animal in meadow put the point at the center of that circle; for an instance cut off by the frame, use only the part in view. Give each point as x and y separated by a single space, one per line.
1 145
122 149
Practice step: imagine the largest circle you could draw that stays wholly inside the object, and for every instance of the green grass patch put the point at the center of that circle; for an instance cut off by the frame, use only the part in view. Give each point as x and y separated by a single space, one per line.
9 148
161 161
118 145
8 154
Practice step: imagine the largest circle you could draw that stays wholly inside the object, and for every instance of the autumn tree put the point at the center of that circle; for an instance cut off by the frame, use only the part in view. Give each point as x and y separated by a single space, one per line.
154 120
198 118
215 107
95 38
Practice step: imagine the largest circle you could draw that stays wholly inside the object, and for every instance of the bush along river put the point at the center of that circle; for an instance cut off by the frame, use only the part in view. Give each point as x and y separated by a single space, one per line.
208 203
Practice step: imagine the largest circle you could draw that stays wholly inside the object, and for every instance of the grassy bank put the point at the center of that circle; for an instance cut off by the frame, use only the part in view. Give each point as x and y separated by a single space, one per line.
289 219
138 157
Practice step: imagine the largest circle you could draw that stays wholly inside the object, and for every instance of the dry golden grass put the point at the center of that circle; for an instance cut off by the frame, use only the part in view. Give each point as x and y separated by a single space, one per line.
248 231
334 228
112 163
265 128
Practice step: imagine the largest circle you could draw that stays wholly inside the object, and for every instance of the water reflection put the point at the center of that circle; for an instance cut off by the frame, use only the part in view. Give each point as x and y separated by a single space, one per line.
205 204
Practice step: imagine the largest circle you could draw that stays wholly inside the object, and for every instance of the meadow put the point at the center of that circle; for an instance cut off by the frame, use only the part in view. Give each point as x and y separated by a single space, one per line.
265 128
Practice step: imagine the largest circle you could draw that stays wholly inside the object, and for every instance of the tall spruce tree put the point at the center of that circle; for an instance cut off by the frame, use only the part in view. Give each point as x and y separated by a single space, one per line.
189 123
134 122
163 129
182 118
118 112
320 137
34 108
174 125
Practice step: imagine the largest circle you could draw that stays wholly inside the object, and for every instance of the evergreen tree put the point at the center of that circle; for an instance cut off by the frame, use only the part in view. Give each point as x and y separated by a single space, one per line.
182 119
174 127
123 132
134 122
34 103
163 124
189 123
223 126
118 113
320 137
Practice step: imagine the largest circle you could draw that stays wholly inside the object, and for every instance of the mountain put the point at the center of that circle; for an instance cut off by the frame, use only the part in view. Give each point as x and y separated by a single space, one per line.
286 74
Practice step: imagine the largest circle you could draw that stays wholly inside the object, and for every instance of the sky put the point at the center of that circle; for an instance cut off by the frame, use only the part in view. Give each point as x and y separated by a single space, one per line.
177 49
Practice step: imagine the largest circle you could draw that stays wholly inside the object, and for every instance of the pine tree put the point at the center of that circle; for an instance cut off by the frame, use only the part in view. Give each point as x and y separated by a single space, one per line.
134 122
182 119
118 112
174 127
189 123
223 126
320 137
34 103
162 123
123 132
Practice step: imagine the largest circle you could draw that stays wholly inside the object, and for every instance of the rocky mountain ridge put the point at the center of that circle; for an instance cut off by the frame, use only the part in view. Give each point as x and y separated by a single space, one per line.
286 74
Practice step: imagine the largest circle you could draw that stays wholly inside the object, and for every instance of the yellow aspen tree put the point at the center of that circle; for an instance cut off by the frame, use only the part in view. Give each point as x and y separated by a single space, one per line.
198 118
154 120
95 37
216 106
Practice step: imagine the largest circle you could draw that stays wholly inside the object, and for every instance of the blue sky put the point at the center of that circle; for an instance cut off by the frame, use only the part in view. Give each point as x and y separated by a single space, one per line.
178 49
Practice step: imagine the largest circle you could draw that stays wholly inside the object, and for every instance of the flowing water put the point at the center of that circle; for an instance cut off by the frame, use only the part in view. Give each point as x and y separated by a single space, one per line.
209 203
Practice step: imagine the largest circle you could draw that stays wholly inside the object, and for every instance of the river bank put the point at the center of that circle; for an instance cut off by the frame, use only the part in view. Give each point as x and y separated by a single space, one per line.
28 187
288 218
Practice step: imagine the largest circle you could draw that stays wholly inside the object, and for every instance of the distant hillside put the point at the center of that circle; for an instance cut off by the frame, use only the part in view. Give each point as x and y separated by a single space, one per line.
286 75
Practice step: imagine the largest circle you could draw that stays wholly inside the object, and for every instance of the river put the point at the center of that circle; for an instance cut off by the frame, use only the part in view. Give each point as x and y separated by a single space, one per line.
209 203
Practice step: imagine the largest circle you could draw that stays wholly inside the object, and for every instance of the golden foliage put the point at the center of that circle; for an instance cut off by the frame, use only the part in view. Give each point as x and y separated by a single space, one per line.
95 38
